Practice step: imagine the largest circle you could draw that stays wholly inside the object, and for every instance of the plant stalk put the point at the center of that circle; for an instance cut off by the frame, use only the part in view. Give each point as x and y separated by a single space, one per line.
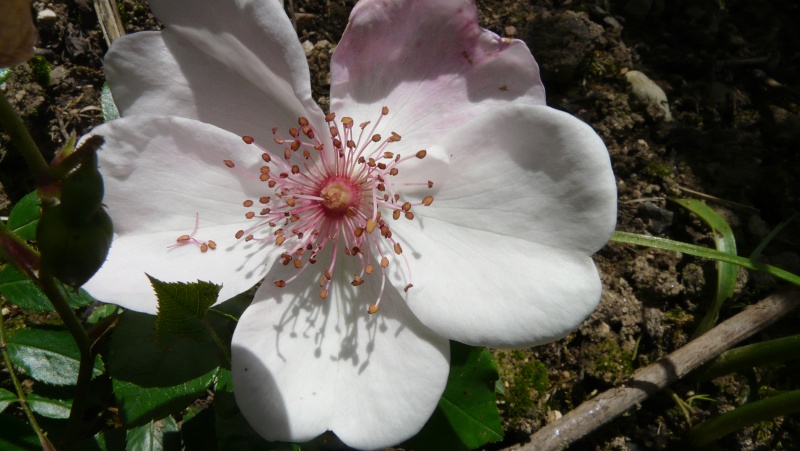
17 252
46 444
223 349
50 288
22 139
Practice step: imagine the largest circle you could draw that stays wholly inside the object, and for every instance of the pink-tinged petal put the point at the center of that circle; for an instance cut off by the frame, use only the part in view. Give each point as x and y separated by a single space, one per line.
303 365
430 63
530 172
489 289
159 73
162 175
254 38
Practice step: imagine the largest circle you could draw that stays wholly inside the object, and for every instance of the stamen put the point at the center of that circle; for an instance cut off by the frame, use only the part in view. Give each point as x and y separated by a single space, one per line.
190 239
325 195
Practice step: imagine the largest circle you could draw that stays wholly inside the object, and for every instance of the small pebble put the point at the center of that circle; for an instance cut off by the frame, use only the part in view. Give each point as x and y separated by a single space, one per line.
46 17
307 47
645 89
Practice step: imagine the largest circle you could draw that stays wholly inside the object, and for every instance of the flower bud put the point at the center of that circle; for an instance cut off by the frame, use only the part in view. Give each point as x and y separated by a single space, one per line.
82 190
17 32
70 251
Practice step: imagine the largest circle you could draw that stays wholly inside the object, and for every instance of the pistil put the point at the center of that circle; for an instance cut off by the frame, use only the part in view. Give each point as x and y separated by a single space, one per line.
319 196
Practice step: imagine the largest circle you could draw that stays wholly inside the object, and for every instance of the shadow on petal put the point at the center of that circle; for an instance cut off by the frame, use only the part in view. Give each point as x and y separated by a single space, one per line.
263 403
336 366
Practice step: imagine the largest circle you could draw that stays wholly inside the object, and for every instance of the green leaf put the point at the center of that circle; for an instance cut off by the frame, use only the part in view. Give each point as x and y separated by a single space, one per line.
705 433
162 435
17 435
704 252
110 111
469 400
772 234
49 356
50 408
21 291
100 313
135 355
6 399
109 440
467 415
182 307
151 380
24 216
726 272
138 405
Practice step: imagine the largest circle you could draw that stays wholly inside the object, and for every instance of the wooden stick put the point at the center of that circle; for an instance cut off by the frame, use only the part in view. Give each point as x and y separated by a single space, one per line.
110 22
649 380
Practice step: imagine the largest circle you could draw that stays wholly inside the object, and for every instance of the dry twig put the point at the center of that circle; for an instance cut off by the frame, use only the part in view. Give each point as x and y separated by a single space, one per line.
649 380
110 22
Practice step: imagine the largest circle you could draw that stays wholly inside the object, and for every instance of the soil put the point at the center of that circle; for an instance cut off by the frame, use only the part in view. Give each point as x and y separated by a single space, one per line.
729 71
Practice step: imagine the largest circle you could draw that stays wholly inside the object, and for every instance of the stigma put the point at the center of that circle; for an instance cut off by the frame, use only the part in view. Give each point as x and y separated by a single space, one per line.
339 194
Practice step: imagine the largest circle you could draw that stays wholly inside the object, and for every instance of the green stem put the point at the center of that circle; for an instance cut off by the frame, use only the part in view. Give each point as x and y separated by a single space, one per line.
224 315
704 252
223 350
16 251
766 409
46 445
757 354
778 229
683 405
22 139
85 367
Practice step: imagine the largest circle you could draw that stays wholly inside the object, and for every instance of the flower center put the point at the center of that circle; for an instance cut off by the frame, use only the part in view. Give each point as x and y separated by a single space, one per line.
320 196
338 195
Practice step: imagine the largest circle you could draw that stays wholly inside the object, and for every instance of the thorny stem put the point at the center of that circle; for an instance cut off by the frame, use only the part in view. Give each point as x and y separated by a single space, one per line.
22 139
48 284
46 445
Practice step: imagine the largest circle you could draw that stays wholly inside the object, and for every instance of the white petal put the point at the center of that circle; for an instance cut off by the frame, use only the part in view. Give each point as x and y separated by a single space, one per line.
530 172
160 73
488 289
162 174
431 64
252 37
302 365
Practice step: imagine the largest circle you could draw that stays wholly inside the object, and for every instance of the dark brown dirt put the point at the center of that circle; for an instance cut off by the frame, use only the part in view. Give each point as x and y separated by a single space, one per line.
729 70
